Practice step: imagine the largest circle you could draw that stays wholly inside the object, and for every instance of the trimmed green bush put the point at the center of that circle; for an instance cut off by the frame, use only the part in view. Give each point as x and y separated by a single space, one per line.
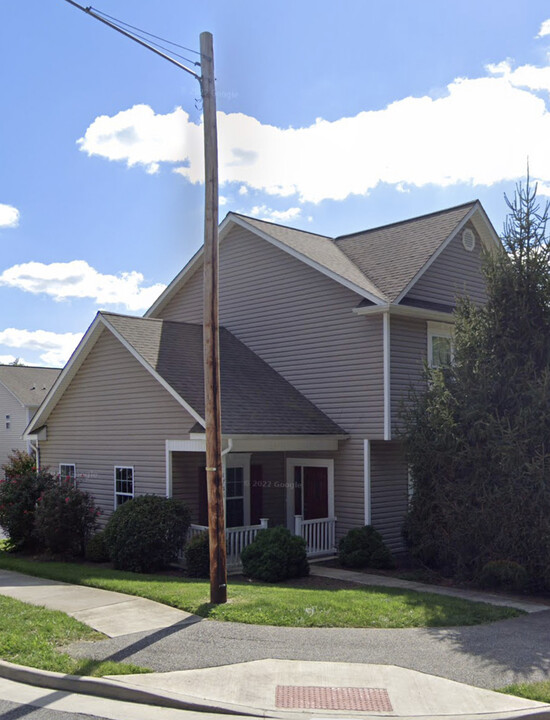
275 554
18 497
65 518
96 550
197 556
147 533
503 575
364 547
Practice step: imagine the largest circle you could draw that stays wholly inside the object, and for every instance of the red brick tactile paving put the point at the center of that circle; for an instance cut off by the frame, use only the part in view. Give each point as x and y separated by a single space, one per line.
311 697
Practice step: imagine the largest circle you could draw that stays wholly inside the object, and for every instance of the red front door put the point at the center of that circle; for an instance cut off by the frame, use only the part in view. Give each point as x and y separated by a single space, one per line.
315 492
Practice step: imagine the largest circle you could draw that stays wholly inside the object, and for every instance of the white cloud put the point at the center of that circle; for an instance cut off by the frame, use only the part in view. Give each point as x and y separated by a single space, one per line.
265 213
479 132
222 201
243 190
54 348
9 216
77 279
544 29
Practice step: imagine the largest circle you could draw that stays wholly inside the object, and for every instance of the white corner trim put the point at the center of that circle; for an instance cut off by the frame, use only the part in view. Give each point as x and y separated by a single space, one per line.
387 376
194 414
367 482
438 252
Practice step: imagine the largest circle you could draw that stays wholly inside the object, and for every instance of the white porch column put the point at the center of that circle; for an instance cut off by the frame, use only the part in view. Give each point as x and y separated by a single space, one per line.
367 482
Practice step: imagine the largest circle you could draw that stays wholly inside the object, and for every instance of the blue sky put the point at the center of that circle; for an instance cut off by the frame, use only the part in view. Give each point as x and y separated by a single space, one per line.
332 118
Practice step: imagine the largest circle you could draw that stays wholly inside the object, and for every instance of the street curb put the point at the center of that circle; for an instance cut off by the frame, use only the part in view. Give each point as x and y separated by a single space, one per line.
112 690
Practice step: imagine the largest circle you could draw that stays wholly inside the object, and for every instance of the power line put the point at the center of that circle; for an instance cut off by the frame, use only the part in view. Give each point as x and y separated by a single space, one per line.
157 37
162 47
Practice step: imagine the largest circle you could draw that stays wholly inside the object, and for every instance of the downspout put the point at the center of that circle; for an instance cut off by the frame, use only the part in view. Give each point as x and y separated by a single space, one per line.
37 454
228 448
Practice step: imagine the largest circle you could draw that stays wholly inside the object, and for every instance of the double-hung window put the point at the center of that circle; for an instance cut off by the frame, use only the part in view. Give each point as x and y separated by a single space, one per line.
67 471
440 344
124 485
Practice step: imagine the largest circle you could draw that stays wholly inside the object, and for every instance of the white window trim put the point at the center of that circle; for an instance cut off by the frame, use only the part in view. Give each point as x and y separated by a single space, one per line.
291 463
116 494
242 460
439 329
66 465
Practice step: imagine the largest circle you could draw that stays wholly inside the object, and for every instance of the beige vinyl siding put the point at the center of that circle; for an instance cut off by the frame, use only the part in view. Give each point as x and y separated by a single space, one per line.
455 273
114 413
302 323
187 305
389 491
12 438
409 346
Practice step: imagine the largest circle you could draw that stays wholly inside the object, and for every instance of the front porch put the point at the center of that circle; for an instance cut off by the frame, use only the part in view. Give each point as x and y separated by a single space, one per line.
263 488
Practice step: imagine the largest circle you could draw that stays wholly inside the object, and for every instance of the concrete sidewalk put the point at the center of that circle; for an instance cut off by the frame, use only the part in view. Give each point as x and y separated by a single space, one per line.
263 688
112 613
362 578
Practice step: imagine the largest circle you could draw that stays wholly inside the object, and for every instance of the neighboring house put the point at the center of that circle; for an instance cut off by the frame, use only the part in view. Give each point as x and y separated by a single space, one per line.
322 339
22 390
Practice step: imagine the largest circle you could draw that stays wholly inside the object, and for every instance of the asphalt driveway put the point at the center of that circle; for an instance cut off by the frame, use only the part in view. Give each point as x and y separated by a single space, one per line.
488 656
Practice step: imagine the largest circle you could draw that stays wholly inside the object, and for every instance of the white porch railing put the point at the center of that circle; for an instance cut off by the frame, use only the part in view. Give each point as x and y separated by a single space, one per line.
236 539
319 534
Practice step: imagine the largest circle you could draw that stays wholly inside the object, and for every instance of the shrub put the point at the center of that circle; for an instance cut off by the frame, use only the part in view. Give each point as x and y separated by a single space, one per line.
18 497
146 534
96 550
65 518
20 463
197 556
275 555
364 547
503 575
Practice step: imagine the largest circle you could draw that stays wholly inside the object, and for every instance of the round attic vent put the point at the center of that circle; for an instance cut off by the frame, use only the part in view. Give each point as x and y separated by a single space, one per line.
468 240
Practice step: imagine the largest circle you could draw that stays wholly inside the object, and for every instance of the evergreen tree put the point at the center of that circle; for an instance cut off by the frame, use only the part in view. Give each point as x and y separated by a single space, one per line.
478 438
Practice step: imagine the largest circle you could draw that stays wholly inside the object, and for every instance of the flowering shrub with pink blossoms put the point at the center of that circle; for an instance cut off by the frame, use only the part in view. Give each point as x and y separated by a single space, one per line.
20 489
65 518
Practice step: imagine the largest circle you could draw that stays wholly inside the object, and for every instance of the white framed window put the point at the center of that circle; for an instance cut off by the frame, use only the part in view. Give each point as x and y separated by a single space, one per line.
440 344
124 484
8 422
67 471
310 488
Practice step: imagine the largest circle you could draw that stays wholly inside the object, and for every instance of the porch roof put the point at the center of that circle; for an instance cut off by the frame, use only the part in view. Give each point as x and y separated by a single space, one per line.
255 398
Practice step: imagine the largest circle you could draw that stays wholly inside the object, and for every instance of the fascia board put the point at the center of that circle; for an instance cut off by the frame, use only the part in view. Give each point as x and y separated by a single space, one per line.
131 349
189 269
438 252
58 388
406 311
308 261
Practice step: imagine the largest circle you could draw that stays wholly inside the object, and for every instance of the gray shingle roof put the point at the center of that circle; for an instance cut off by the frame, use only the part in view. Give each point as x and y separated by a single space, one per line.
318 248
382 261
392 255
255 398
30 385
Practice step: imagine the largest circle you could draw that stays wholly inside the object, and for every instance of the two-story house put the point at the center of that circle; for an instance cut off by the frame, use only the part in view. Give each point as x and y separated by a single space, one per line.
322 338
22 390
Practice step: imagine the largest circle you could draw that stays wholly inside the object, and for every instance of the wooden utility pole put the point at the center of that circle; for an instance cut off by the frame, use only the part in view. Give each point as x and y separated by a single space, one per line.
214 474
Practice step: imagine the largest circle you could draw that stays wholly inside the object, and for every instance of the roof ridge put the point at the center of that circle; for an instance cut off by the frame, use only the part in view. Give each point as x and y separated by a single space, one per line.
407 220
279 225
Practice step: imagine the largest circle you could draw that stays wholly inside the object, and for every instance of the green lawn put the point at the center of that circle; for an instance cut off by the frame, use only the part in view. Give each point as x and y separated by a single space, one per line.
292 604
532 691
33 636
